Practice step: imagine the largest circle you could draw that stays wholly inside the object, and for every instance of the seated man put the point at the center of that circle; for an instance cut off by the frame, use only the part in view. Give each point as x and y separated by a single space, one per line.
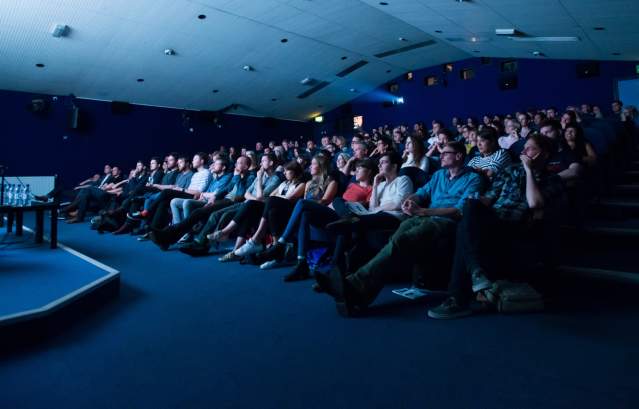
434 209
562 161
199 182
516 196
220 179
95 180
94 195
241 181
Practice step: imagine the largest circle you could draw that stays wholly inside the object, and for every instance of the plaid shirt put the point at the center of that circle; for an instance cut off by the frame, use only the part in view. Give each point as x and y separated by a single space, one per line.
509 190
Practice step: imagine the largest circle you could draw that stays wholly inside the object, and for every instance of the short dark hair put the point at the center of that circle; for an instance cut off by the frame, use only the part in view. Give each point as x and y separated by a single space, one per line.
394 158
203 155
271 156
224 159
555 124
295 167
458 147
155 158
174 154
249 161
544 143
488 133
367 164
446 132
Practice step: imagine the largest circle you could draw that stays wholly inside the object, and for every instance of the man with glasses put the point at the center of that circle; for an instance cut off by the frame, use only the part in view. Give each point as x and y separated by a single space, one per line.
518 196
433 212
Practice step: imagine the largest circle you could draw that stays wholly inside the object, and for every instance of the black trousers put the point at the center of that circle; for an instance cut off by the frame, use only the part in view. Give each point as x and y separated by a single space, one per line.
92 196
200 215
277 211
481 243
160 216
248 216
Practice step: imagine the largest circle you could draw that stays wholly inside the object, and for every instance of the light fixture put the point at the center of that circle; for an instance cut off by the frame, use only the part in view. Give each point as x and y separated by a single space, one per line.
215 91
538 54
566 39
140 80
383 3
39 65
247 68
402 39
284 40
60 30
352 90
399 101
473 39
319 119
169 51
202 16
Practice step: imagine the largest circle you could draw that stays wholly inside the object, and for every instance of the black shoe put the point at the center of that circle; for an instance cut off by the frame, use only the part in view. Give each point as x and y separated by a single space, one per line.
275 252
195 249
300 272
450 309
158 239
347 301
342 226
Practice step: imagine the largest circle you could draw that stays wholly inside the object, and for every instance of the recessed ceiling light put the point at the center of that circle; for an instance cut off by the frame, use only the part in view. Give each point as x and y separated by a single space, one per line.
388 71
475 51
402 39
202 16
616 53
284 40
40 65
140 80
344 57
352 90
438 31
599 28
473 39
383 3
273 99
215 91
169 51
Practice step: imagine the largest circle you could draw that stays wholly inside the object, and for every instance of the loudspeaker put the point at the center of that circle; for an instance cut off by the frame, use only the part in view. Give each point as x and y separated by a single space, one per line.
588 69
508 81
120 107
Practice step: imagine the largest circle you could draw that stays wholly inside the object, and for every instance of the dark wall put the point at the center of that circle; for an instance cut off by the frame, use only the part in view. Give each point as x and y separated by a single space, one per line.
541 83
44 144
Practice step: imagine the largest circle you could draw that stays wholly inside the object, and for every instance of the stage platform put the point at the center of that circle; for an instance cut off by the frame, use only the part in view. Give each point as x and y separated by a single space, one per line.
38 283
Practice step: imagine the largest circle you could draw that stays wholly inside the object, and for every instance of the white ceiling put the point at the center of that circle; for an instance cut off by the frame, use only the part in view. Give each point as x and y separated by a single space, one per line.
114 42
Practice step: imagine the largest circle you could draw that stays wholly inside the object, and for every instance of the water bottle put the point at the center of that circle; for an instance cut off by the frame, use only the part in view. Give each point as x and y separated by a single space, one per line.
9 197
18 195
26 195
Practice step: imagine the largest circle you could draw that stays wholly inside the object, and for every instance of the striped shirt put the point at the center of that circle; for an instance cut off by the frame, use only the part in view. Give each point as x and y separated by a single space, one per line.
200 180
496 161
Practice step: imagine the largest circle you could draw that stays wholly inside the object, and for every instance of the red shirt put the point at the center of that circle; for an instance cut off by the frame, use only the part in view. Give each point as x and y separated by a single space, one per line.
356 193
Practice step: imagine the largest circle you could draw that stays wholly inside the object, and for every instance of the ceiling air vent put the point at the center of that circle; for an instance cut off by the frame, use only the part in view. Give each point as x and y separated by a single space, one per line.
313 90
352 68
405 49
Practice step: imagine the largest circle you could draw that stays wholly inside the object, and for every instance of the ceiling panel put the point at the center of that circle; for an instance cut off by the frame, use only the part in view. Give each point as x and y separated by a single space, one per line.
114 42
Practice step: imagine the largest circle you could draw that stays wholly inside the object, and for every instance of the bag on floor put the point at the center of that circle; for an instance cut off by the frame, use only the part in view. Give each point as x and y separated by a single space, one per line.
510 297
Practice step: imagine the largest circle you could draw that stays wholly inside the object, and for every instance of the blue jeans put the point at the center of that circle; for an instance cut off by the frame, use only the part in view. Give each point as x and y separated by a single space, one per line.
307 213
149 198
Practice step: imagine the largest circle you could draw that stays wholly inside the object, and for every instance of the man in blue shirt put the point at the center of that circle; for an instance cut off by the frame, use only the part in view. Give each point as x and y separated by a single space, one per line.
434 210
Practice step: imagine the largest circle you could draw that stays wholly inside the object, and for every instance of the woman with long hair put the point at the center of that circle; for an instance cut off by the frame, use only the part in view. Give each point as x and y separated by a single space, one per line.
415 154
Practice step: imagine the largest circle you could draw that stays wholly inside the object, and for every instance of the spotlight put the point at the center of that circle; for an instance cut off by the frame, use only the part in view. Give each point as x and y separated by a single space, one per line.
399 101
319 119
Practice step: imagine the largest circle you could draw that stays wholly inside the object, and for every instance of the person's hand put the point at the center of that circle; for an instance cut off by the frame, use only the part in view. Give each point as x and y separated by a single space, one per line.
379 178
197 195
526 161
260 173
410 208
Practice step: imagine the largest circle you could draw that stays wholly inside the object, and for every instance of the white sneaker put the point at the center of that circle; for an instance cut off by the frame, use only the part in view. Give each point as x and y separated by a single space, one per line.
186 238
250 247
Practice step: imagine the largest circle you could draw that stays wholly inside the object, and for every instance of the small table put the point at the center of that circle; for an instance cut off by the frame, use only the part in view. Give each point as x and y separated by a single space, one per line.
39 208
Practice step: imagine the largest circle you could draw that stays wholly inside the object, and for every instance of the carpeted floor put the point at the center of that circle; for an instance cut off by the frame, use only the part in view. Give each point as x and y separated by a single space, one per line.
195 333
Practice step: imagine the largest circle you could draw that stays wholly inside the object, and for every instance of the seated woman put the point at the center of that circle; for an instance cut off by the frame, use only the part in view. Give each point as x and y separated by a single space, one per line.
414 154
309 213
575 141
277 209
491 159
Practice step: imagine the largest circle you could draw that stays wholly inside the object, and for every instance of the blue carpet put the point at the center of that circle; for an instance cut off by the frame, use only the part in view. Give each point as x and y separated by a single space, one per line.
195 333
32 276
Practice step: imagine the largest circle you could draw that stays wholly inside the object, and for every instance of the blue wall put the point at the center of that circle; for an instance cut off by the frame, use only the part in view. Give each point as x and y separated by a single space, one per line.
542 83
33 145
